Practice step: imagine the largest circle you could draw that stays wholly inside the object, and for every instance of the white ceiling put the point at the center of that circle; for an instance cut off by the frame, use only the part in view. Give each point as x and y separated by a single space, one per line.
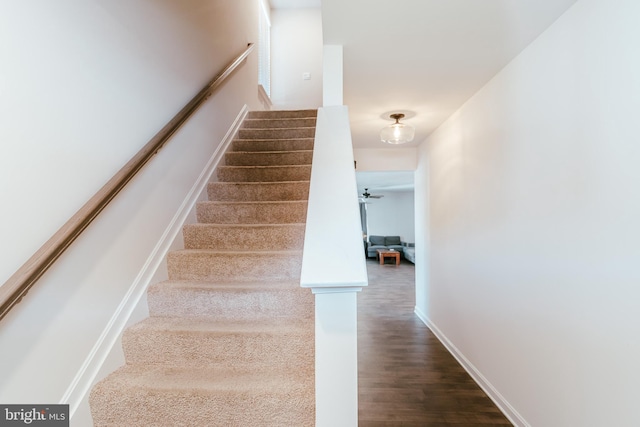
425 57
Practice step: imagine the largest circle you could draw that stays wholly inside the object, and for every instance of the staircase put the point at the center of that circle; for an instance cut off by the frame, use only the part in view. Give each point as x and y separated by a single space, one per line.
230 337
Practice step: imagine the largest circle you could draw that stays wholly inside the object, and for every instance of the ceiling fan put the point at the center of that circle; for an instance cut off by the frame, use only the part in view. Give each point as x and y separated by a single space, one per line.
367 195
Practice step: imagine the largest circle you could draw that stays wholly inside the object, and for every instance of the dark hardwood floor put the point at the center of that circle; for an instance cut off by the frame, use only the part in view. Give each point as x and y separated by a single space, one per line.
406 376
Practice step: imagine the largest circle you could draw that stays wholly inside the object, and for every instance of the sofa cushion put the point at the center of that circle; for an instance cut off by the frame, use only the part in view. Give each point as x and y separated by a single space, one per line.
372 250
377 240
410 254
392 240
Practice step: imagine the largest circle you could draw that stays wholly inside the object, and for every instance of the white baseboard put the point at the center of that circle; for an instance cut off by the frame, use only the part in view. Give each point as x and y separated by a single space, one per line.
502 404
87 373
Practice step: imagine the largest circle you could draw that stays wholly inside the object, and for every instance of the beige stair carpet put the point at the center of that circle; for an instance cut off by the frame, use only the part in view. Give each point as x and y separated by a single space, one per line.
230 337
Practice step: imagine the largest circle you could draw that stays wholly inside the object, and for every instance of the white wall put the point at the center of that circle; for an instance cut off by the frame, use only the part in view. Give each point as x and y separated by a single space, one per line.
533 224
332 75
386 159
84 85
392 215
296 48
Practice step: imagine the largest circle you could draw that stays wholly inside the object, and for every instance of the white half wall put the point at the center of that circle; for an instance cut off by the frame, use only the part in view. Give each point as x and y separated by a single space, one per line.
296 58
90 83
529 202
334 277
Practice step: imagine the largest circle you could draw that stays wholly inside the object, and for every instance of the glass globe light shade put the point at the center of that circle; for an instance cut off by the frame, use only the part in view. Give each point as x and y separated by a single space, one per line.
397 133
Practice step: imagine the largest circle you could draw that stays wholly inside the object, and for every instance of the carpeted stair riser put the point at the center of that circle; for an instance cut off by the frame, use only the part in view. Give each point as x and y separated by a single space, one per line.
277 212
157 395
279 123
231 301
207 265
282 114
263 191
272 144
263 173
244 237
286 133
195 342
268 158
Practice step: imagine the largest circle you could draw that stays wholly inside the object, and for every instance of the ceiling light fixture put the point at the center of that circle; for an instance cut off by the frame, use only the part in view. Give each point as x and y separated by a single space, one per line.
397 133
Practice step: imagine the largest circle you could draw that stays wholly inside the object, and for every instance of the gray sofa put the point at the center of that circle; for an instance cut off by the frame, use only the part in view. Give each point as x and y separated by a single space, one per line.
409 252
383 242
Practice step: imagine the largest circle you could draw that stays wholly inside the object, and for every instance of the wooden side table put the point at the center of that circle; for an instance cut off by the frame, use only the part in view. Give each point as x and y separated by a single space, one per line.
383 253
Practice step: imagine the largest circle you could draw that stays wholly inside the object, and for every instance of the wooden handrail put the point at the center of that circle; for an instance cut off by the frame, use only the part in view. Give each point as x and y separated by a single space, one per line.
14 289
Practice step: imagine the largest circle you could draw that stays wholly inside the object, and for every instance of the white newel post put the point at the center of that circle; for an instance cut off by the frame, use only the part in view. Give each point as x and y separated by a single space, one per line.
336 357
333 266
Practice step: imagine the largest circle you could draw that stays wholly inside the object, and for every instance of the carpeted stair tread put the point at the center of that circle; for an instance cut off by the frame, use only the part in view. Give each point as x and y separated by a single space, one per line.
275 152
244 237
281 144
258 191
283 114
156 395
253 253
207 379
235 283
247 212
263 173
203 264
231 299
182 341
268 158
279 122
273 326
284 133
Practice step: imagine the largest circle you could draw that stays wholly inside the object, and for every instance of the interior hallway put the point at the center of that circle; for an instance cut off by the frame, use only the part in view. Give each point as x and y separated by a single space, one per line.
406 376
